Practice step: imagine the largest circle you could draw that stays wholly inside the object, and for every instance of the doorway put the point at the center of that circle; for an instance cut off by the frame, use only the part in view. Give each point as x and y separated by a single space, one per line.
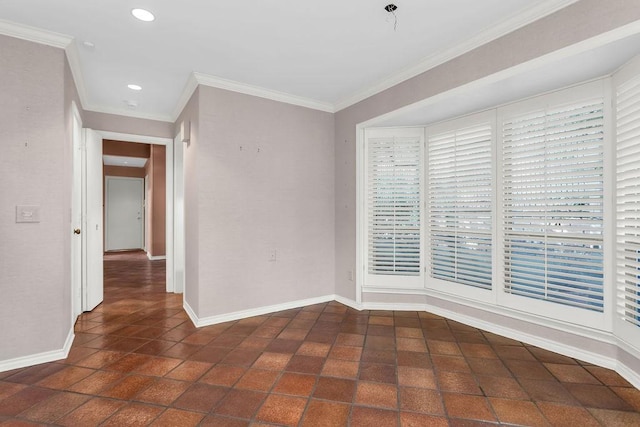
82 283
124 213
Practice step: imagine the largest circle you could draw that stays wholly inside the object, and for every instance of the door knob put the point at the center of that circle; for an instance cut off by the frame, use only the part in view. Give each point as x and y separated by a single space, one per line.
76 231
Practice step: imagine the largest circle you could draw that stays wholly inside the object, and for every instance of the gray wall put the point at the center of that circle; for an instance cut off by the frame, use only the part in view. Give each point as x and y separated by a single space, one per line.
264 173
35 308
568 26
131 125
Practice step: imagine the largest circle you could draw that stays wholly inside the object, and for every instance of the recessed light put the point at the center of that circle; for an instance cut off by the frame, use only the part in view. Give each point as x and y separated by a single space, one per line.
134 87
88 44
143 15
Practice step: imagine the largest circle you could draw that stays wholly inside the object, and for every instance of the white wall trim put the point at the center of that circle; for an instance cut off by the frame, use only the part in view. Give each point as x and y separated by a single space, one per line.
511 313
348 302
35 35
242 314
36 359
156 258
260 92
629 374
190 312
540 341
73 58
189 88
589 356
515 22
129 137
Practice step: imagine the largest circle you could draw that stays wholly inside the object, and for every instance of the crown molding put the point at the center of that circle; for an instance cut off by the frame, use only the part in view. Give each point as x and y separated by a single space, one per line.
505 27
260 92
73 59
66 42
35 35
189 88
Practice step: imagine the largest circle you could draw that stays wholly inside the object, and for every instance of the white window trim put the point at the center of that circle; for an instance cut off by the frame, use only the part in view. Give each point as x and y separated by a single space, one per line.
444 286
595 320
384 282
496 300
624 330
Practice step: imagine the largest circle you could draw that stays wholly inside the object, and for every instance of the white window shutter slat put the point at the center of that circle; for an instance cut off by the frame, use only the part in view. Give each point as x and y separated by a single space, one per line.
460 204
393 203
552 165
628 200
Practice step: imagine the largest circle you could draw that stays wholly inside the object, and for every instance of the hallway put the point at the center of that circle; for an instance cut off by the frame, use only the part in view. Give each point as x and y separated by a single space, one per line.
138 360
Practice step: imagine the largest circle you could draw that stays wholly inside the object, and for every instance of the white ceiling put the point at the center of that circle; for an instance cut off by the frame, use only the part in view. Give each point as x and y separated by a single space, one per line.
326 54
130 162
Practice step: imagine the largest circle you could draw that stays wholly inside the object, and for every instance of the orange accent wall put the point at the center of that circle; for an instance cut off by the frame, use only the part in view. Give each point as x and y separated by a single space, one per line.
121 148
158 201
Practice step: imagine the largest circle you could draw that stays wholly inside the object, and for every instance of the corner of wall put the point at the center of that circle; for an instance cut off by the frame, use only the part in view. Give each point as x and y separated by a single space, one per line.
36 359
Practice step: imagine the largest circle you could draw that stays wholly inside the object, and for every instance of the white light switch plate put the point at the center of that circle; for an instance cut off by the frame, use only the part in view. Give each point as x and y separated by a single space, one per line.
27 213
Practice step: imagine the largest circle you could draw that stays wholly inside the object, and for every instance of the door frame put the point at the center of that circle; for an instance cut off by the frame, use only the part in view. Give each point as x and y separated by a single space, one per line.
143 214
170 198
76 212
77 287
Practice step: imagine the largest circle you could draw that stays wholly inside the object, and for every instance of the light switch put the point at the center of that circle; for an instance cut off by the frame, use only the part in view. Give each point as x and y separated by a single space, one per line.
27 213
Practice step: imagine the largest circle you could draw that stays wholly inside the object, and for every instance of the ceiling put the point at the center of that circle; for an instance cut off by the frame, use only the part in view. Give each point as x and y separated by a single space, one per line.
323 54
596 59
124 161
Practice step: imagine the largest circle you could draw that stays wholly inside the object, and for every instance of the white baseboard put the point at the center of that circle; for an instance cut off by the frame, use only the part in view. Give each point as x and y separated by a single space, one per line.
585 352
237 315
537 340
348 302
155 258
581 353
630 374
190 312
36 359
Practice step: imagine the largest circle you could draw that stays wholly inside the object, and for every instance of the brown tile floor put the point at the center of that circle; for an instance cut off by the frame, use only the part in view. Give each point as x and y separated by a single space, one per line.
138 360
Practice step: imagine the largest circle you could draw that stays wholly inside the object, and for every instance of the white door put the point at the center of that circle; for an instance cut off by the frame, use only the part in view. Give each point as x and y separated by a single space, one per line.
124 213
92 283
76 216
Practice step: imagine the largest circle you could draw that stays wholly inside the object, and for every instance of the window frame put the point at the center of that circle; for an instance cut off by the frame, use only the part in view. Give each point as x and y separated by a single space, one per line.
460 290
556 311
625 330
380 282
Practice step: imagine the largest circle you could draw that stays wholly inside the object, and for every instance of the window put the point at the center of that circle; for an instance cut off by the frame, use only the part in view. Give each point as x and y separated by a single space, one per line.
394 177
505 208
460 200
628 199
552 168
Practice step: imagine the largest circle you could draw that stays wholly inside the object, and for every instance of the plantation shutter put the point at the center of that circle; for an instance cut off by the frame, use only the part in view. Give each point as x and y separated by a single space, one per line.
460 205
628 200
553 203
394 198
